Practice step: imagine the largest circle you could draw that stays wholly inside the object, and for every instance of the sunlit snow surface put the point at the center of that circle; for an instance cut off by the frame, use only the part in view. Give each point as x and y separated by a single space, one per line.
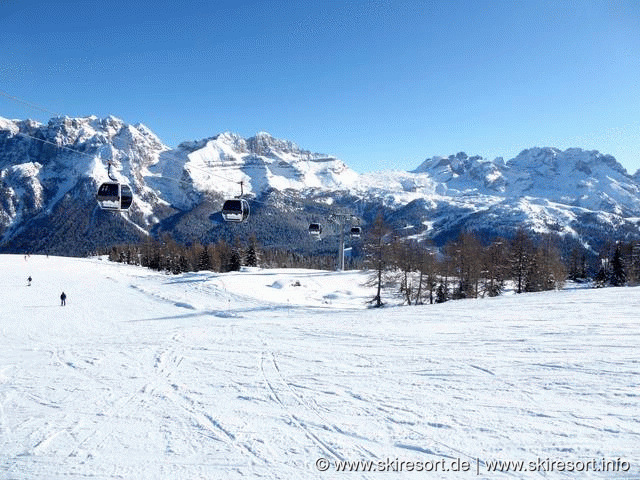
258 374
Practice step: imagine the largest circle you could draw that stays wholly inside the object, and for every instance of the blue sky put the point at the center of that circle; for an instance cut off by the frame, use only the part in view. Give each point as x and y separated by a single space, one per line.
380 84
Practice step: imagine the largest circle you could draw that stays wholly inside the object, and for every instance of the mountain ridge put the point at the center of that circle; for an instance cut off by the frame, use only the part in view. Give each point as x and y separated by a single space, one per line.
47 168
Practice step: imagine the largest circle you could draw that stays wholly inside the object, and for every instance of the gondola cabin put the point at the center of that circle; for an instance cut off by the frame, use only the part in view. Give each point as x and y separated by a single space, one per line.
235 210
356 232
114 196
315 229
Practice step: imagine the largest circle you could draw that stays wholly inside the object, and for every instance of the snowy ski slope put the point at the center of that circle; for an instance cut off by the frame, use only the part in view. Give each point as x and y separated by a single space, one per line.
260 374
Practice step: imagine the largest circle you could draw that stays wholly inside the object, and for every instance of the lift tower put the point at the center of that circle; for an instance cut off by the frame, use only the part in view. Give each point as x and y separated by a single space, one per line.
341 219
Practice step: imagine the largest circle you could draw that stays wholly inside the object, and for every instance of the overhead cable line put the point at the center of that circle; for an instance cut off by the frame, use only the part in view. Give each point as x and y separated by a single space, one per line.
29 104
35 106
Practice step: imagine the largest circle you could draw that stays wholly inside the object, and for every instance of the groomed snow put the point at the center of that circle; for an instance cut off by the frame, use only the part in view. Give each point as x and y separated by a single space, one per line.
258 374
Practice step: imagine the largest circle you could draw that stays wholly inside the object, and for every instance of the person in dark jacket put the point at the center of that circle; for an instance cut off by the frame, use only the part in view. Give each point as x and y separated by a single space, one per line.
29 280
63 299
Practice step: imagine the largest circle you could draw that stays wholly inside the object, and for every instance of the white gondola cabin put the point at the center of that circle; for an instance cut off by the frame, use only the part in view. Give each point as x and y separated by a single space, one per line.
114 196
315 229
235 210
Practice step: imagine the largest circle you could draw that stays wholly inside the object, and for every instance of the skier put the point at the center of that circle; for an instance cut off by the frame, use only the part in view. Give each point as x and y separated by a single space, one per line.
63 299
29 280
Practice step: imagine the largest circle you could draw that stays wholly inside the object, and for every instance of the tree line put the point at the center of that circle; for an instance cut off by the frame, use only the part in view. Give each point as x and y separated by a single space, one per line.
167 255
465 267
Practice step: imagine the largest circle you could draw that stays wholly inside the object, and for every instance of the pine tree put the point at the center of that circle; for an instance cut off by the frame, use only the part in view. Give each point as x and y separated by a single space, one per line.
235 261
618 276
601 277
204 259
251 256
441 293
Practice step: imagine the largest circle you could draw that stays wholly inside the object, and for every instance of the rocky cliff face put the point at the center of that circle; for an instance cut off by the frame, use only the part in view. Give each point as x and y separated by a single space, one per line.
49 175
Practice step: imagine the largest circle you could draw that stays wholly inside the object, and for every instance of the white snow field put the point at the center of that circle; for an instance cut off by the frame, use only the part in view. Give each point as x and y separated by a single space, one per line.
279 374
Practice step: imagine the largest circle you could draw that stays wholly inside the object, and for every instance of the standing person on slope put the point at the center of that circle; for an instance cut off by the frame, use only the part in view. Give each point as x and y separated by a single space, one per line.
63 299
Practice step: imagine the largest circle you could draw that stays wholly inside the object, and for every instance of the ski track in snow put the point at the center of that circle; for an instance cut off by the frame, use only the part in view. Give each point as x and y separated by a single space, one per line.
257 374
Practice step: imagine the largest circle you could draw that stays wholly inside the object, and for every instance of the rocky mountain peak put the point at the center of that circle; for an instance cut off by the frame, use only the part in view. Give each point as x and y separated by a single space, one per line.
57 166
553 161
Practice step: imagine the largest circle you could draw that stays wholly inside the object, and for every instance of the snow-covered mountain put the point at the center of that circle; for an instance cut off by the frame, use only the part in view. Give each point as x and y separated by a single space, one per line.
49 174
262 163
576 193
